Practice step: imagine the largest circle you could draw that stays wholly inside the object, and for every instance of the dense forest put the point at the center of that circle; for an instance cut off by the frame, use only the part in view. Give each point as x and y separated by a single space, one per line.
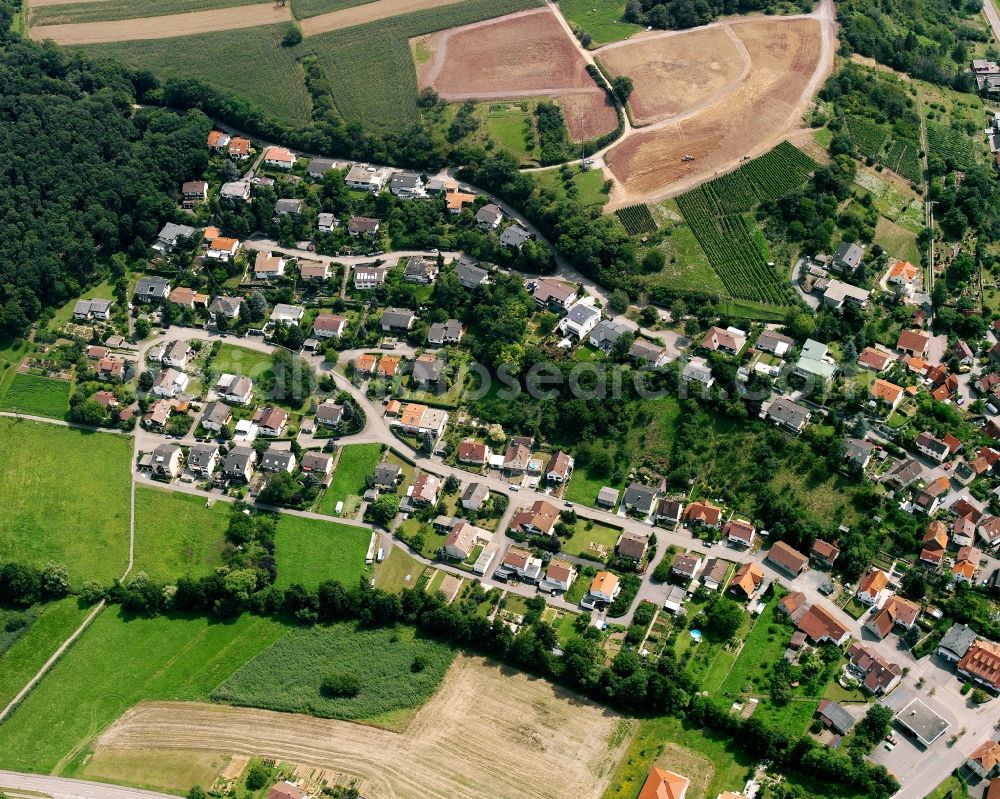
691 13
81 178
924 38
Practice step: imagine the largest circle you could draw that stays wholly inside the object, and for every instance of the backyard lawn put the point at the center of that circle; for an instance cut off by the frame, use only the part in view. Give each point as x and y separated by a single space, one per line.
583 487
176 535
587 532
34 395
73 486
309 551
241 361
399 570
356 462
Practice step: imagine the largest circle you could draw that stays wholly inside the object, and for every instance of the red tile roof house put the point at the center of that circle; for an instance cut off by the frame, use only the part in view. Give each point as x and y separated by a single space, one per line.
703 513
935 543
823 553
559 468
877 675
873 359
913 342
271 421
328 325
896 612
984 761
981 664
793 604
425 489
821 626
739 532
279 157
539 519
873 588
787 559
473 452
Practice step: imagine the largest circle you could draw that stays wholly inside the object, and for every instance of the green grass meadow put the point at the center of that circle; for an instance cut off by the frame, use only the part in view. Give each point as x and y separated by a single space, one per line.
309 551
287 676
313 8
356 462
248 63
64 496
602 19
116 663
34 395
176 535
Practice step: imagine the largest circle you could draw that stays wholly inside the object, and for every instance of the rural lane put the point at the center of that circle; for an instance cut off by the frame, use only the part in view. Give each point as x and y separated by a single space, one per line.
16 784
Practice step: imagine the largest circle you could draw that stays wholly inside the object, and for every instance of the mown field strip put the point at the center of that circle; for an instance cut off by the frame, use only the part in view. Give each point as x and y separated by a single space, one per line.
165 27
43 3
369 12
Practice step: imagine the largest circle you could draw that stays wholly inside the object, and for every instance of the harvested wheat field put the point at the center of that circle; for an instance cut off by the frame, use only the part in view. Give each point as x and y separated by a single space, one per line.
787 62
527 54
489 733
123 30
679 72
367 12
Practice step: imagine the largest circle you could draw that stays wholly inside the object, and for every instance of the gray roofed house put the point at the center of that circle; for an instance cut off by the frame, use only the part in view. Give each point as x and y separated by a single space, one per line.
697 370
580 320
313 461
427 370
848 256
514 237
288 207
229 307
387 475
474 496
277 460
166 460
407 185
284 314
318 167
151 289
216 416
420 270
489 217
469 274
396 319
814 362
92 309
363 226
169 236
329 413
235 190
835 717
838 293
202 458
326 222
606 333
640 498
607 497
652 354
240 462
789 415
775 343
858 451
956 642
449 332
903 474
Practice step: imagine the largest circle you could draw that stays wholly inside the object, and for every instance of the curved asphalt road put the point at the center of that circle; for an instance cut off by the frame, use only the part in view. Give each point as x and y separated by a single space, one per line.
15 784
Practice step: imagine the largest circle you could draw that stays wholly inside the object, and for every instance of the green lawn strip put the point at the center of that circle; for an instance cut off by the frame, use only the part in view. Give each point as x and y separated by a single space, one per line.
589 185
176 535
583 487
356 462
65 498
288 675
28 653
248 63
511 128
35 395
602 19
107 10
765 643
242 361
309 551
115 664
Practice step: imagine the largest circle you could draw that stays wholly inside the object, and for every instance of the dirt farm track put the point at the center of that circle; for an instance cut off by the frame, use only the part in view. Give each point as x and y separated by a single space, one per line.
489 733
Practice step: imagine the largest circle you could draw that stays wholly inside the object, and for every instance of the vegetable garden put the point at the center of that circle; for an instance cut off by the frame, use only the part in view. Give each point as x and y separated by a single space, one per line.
636 219
716 213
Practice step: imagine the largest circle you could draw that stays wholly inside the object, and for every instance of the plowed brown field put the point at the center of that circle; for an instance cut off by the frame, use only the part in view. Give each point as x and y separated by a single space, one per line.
123 30
753 117
676 72
489 733
527 54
